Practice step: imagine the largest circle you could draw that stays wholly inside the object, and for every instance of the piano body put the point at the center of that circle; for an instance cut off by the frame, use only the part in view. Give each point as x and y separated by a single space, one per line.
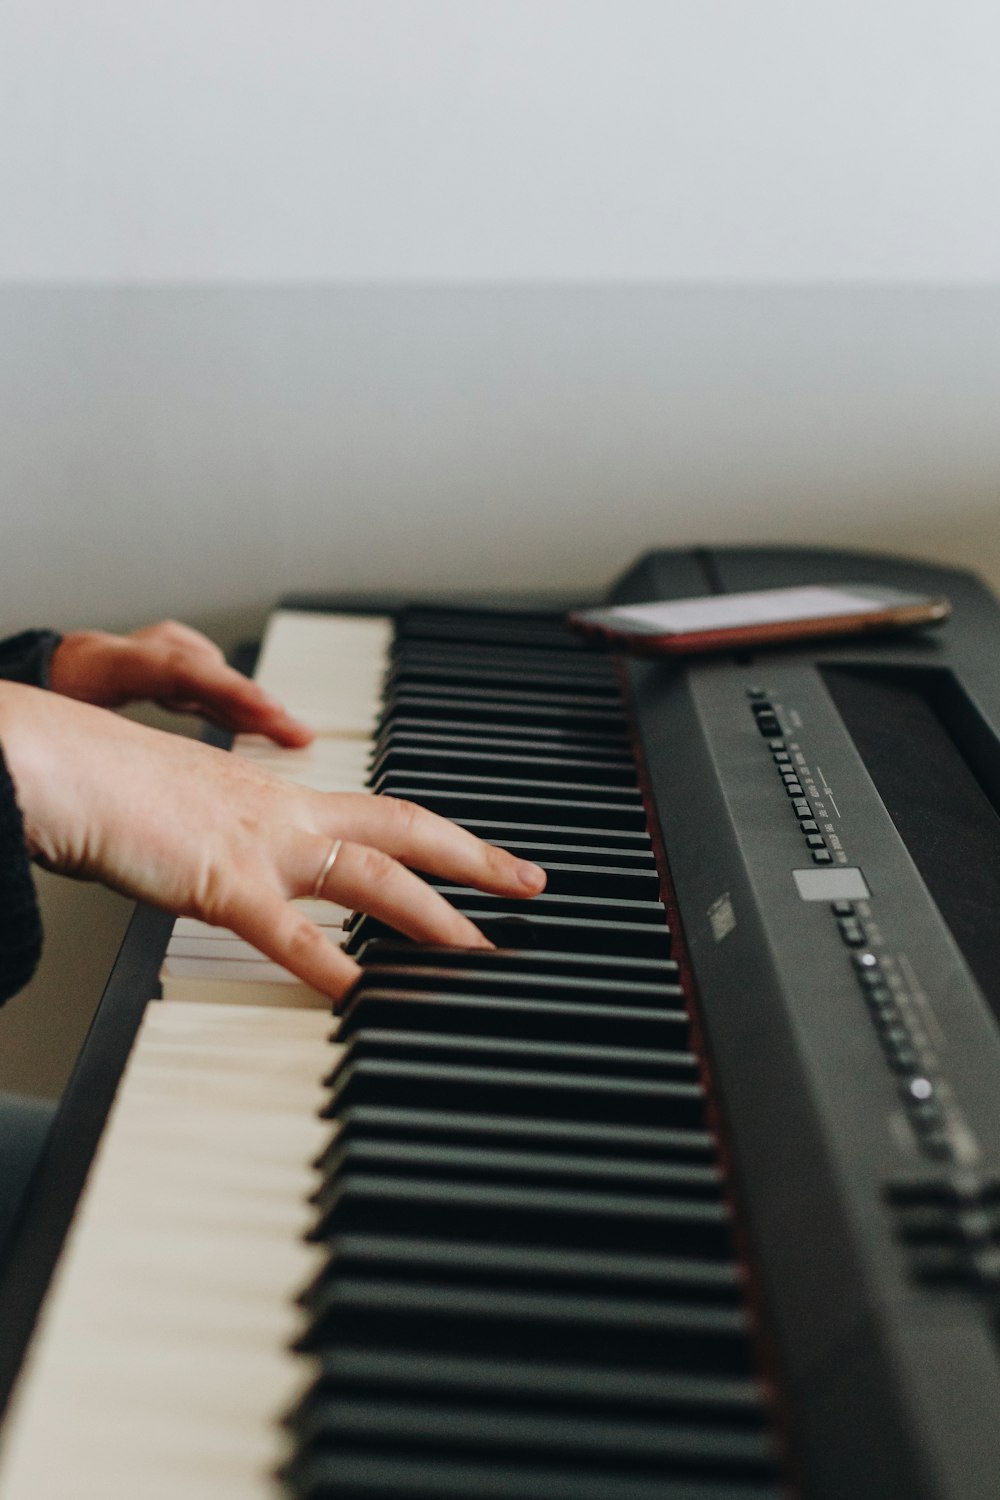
691 1190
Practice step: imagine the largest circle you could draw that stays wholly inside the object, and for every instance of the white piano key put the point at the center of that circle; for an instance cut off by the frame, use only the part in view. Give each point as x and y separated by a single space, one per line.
327 669
326 752
236 981
323 913
161 1360
161 1365
226 948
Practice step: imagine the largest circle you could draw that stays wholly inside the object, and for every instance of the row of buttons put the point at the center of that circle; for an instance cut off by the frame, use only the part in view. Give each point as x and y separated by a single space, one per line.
767 722
953 1228
918 1092
763 712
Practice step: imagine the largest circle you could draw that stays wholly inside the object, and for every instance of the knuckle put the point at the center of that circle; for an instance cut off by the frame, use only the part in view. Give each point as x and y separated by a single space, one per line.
374 866
407 814
302 942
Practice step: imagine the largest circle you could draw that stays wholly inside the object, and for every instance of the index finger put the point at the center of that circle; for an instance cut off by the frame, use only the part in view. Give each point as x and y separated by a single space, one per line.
232 700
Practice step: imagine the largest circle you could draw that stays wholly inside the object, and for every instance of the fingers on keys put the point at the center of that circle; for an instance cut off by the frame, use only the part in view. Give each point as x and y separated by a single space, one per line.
198 681
367 879
286 935
424 841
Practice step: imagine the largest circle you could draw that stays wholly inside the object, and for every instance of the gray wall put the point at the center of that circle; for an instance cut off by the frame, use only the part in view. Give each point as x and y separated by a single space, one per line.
195 451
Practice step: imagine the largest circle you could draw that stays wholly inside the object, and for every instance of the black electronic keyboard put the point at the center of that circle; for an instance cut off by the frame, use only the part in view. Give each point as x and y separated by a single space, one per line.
691 1189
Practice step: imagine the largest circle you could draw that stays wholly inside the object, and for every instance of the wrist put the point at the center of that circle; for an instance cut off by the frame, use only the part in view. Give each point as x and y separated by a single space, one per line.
27 657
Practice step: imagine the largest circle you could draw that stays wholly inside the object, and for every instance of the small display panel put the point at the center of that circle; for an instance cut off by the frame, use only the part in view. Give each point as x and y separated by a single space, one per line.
937 769
845 883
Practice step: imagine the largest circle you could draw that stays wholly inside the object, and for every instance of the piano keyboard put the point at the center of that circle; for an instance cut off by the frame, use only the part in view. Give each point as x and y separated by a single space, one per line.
519 1278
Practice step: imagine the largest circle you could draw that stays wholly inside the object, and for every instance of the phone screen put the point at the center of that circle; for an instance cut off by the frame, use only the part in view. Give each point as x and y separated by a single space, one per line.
738 611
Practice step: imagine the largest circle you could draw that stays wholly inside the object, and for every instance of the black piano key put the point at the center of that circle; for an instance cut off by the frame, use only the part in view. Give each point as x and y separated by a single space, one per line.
497 805
530 630
611 752
559 839
513 789
540 738
488 1015
401 1158
716 1400
514 1267
414 675
576 934
534 987
673 1449
427 1207
546 905
646 1331
491 1132
558 904
352 1473
559 964
579 770
557 661
473 1051
540 709
610 882
467 699
567 1096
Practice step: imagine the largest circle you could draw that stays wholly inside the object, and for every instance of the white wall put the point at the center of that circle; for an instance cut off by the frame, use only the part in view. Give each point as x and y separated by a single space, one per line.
403 293
317 140
197 452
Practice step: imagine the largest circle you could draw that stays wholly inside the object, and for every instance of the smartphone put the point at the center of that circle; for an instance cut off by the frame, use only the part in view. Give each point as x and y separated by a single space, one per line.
721 622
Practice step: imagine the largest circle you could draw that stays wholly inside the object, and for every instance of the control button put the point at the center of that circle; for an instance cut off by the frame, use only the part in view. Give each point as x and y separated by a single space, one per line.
787 774
894 1036
809 825
920 1090
904 1059
761 706
802 813
839 908
865 962
756 692
936 1143
768 725
852 932
815 840
975 1226
822 857
776 744
781 757
793 789
937 1189
985 1265
939 1264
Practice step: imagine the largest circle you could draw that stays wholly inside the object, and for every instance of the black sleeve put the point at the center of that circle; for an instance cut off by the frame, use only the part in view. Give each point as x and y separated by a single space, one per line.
26 657
20 923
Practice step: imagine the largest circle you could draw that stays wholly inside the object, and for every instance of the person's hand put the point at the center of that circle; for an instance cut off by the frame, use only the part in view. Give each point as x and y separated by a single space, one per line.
174 666
207 834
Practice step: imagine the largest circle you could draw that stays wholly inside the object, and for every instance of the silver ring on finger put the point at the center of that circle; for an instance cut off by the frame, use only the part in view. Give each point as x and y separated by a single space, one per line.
327 866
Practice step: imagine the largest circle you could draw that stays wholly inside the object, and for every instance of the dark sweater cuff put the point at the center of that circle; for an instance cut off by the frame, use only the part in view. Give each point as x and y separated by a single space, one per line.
26 657
20 923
